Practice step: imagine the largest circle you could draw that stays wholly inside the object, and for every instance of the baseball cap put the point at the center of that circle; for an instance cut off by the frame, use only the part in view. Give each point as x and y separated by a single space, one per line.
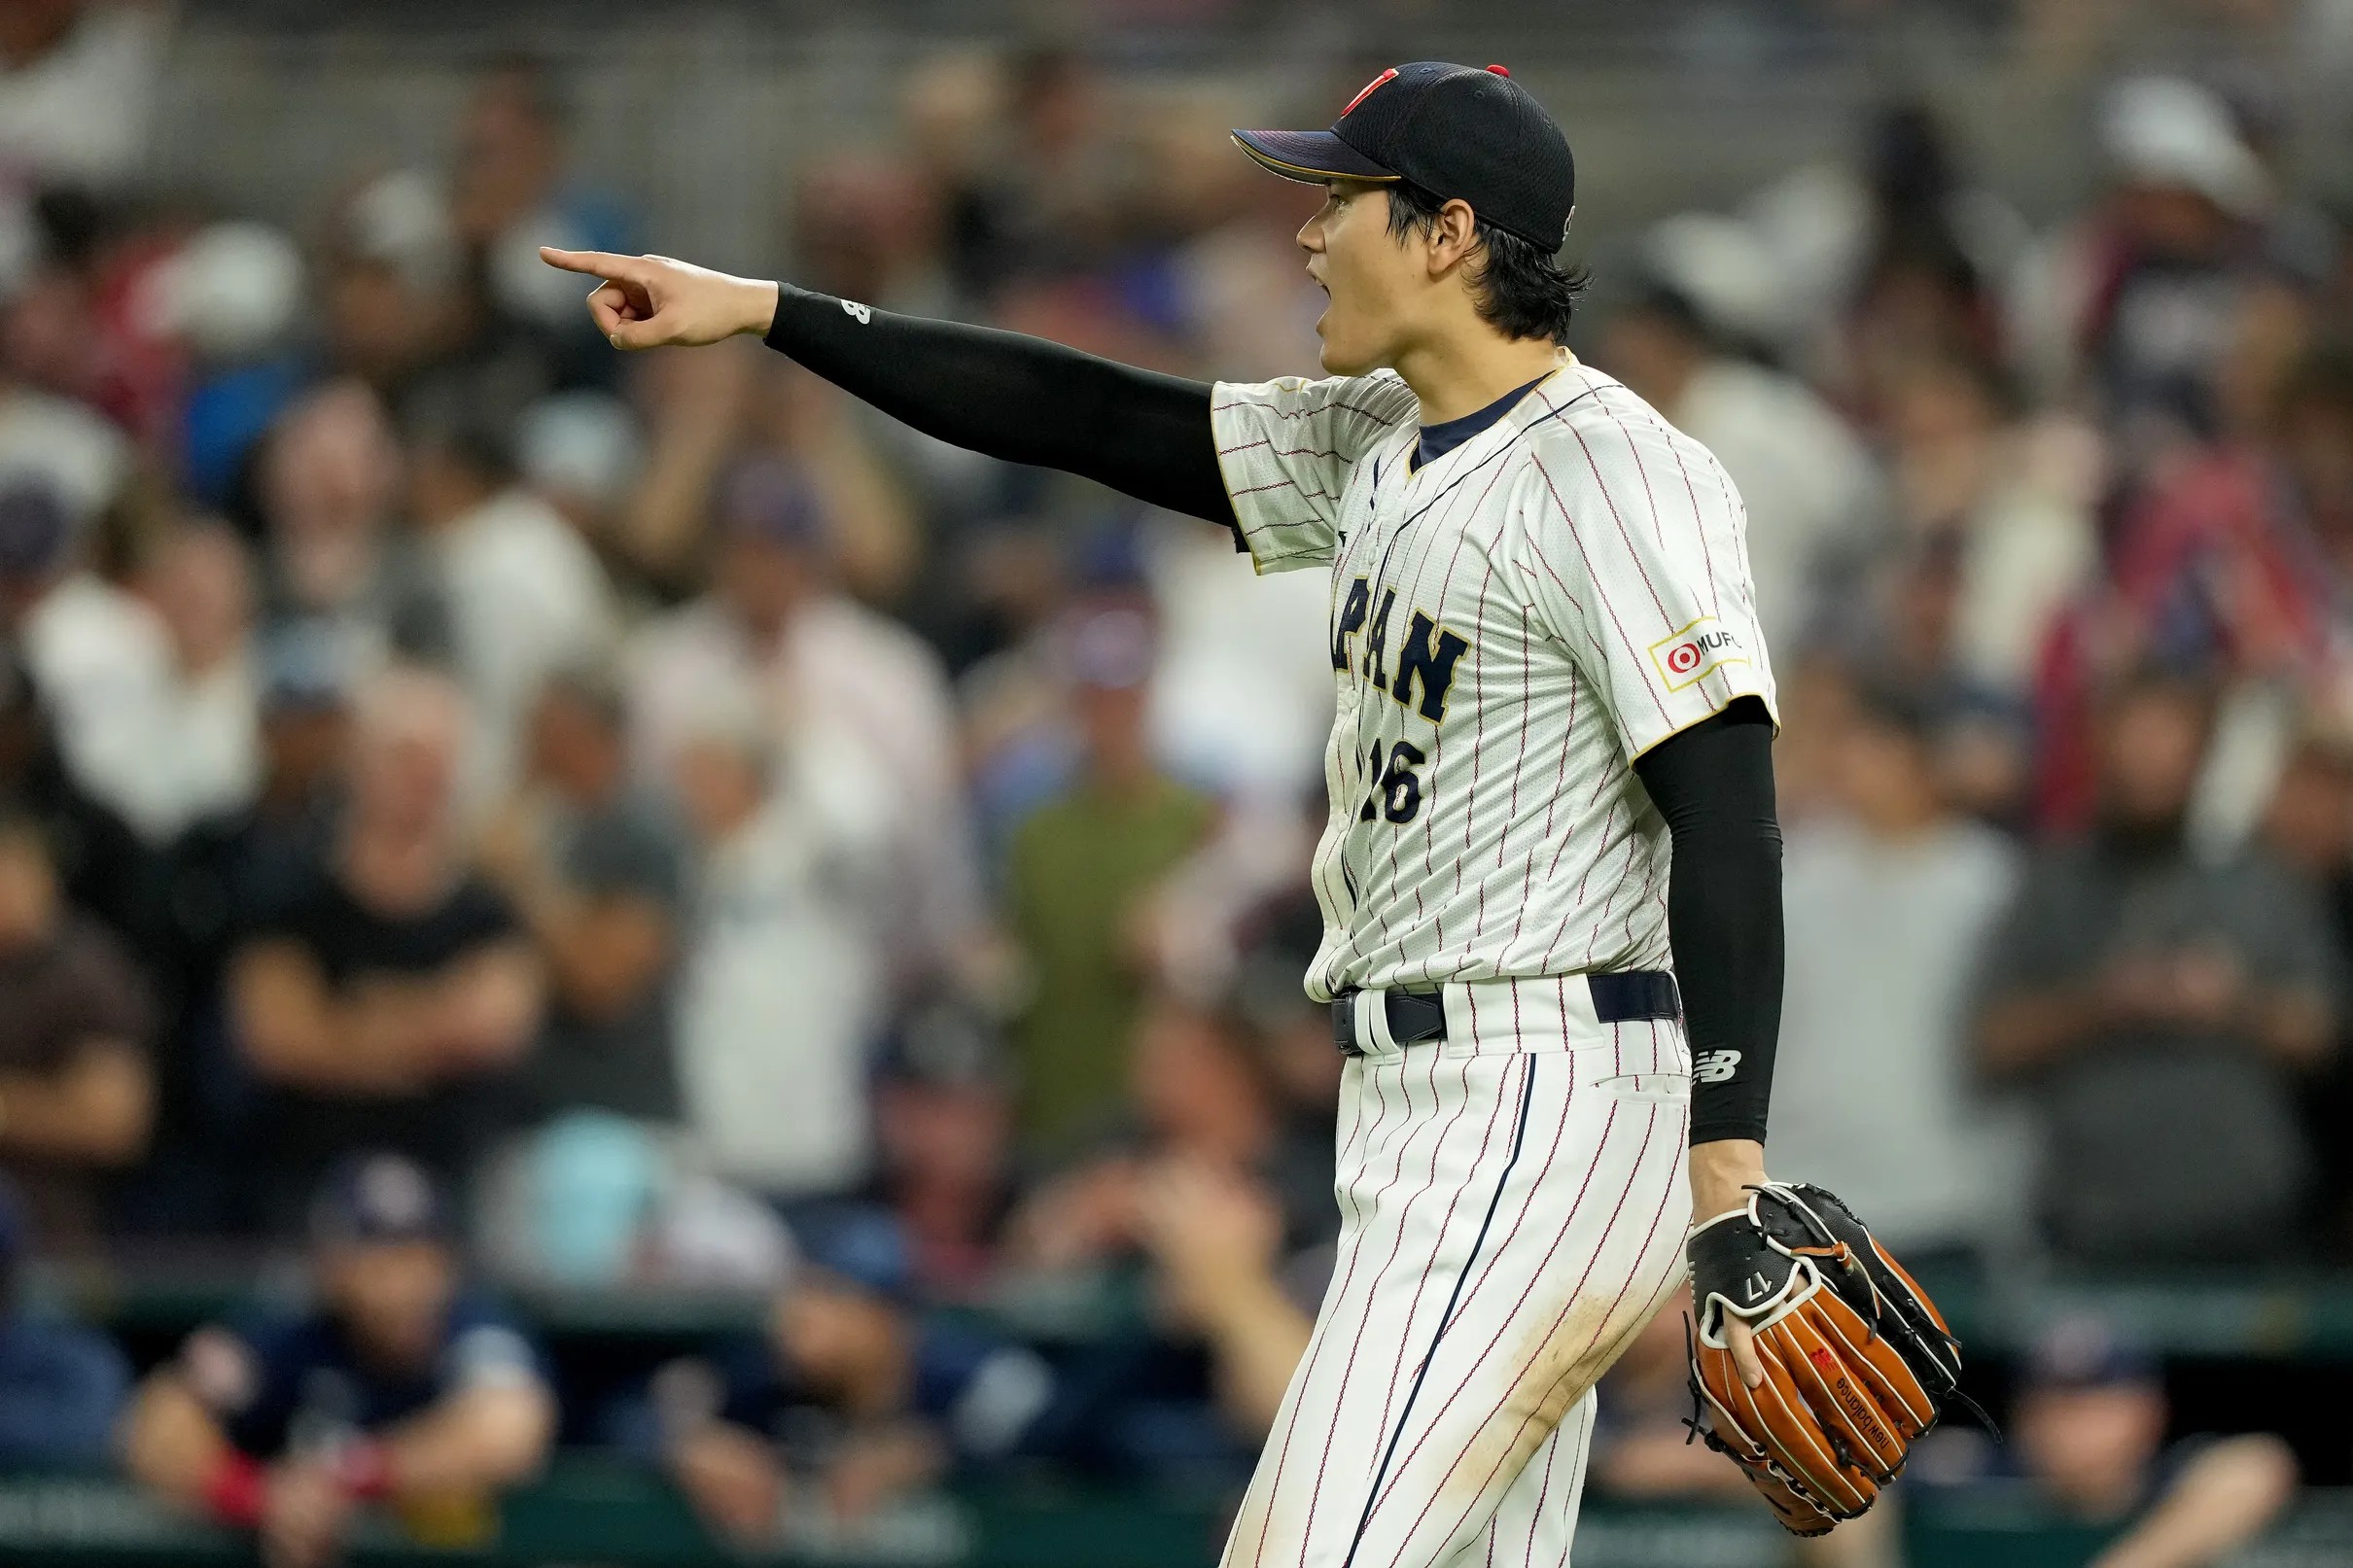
1455 131
370 1199
2083 1351
2163 131
770 499
1110 648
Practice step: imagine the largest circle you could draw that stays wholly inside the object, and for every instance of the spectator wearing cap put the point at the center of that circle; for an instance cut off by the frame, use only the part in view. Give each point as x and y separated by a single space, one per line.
1888 899
77 1082
2139 303
1079 870
848 1400
61 1385
829 676
526 595
394 1384
782 998
598 875
388 1000
386 273
2088 1436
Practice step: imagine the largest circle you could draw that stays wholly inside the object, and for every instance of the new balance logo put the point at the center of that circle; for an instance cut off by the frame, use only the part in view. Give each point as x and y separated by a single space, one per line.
863 313
1716 1066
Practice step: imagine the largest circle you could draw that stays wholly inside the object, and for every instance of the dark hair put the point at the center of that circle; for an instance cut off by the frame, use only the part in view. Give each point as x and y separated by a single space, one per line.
1521 289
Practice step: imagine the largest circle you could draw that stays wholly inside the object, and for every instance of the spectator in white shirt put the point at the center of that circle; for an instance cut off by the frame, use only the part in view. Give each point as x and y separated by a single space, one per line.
150 694
781 990
1887 901
773 622
184 743
526 595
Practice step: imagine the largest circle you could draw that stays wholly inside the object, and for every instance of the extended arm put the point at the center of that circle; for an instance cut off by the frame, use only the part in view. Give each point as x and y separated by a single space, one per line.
493 1434
2225 1498
1019 399
95 1108
1023 399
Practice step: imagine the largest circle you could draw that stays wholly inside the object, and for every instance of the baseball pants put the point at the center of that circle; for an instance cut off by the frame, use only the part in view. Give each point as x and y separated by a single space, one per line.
1513 1201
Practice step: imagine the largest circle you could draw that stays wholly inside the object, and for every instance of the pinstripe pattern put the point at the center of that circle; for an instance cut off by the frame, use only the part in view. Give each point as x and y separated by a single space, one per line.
1512 1200
1536 1205
1570 545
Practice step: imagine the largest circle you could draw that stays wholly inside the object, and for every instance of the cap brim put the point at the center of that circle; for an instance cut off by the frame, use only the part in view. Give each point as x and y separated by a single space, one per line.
1310 156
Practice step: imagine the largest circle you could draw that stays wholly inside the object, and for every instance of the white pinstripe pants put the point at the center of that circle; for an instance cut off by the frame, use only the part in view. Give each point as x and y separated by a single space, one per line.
1513 1203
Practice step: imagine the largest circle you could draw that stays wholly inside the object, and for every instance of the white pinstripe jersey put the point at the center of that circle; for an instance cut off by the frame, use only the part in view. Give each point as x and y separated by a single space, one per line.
1511 625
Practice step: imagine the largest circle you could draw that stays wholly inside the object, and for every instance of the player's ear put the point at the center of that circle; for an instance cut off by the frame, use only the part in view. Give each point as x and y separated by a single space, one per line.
1454 235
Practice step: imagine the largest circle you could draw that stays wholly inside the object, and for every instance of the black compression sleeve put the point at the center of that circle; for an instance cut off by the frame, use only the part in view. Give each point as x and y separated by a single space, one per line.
1019 399
1713 784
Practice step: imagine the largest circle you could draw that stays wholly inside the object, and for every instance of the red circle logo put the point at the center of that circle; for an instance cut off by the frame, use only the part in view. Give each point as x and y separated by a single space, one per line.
1683 659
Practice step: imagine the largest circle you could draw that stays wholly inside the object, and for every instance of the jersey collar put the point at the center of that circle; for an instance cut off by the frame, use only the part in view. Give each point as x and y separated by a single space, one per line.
1435 441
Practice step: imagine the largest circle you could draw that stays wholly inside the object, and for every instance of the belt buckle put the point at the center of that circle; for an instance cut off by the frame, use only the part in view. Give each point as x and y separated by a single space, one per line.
1343 1024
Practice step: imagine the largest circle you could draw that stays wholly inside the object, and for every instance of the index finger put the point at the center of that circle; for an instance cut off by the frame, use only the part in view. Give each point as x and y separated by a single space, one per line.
1741 1341
595 263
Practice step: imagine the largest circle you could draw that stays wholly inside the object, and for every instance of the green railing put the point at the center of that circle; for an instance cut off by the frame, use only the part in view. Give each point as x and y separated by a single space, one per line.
598 1512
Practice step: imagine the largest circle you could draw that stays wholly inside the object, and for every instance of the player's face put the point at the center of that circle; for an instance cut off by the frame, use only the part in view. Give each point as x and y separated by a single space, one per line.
391 1296
1369 276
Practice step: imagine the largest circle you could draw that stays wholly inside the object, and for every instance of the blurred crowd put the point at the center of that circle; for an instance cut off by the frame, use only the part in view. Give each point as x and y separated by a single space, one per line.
479 809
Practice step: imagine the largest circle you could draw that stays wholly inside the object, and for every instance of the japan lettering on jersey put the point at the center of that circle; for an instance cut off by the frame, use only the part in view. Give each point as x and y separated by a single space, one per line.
1512 624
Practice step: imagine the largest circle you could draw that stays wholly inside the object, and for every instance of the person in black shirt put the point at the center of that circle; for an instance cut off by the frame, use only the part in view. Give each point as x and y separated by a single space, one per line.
385 1000
597 874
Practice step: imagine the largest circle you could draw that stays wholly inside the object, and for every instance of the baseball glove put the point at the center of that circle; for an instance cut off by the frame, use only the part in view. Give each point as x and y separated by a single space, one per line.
1859 1362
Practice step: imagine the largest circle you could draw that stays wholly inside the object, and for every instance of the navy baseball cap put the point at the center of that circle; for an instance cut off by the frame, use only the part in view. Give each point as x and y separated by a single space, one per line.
372 1198
1455 131
770 499
2083 1351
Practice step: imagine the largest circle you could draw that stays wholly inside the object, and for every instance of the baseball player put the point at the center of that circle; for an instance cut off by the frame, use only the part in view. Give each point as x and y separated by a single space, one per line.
1551 877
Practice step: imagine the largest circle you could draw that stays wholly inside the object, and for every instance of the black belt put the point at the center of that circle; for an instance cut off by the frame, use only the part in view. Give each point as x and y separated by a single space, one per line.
1416 1016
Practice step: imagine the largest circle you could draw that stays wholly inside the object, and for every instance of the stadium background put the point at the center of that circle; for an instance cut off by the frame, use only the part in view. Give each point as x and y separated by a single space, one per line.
967 808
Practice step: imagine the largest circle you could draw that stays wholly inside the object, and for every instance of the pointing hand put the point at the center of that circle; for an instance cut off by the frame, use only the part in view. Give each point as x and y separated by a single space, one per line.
653 301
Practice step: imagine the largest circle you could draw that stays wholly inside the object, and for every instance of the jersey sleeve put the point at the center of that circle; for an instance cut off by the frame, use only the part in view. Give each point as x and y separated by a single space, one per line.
1629 546
1284 449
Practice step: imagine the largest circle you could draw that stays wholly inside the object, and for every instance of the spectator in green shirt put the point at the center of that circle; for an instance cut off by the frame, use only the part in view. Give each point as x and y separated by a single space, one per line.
1082 870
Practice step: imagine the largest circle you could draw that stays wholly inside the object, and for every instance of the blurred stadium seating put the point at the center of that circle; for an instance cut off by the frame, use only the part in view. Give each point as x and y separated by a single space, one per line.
825 910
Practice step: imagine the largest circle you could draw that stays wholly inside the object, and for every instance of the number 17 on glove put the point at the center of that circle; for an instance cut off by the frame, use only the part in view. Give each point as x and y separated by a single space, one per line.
1859 1362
